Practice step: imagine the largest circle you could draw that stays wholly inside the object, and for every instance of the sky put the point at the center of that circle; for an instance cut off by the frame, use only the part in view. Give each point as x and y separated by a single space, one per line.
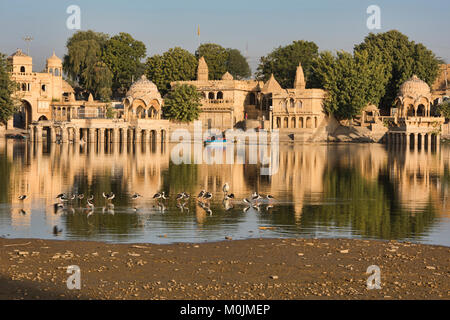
255 27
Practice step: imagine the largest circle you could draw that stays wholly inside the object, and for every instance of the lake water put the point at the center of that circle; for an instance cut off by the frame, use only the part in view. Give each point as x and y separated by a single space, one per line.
364 191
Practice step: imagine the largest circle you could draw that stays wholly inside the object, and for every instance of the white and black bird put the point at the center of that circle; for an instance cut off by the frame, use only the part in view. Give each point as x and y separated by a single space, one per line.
228 196
91 197
246 201
90 204
22 197
136 196
186 195
201 194
256 197
164 196
109 196
56 230
270 197
226 188
180 197
207 196
157 196
80 196
57 207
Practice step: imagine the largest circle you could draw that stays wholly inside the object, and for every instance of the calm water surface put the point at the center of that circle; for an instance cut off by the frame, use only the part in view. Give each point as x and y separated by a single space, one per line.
353 191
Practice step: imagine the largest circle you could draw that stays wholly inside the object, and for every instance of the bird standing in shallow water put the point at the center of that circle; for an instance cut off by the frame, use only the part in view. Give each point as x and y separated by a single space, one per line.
207 196
136 196
226 188
56 231
22 197
229 196
201 194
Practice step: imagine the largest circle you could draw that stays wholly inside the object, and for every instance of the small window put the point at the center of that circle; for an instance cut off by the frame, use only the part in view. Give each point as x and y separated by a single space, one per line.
22 69
44 88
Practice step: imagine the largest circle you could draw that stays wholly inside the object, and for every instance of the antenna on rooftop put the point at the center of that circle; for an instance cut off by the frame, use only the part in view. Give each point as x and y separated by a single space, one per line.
28 40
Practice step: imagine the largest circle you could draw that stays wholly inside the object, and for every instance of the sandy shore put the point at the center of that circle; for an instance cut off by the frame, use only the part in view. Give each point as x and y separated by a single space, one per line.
248 269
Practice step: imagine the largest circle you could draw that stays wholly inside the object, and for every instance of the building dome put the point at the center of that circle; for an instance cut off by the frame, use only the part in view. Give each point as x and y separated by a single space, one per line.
144 90
54 61
227 76
414 87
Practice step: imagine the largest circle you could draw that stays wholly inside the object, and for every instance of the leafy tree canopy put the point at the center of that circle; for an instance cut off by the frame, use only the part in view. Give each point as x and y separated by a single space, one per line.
176 64
216 57
283 62
402 58
7 88
221 60
123 54
182 103
84 53
237 64
351 81
443 109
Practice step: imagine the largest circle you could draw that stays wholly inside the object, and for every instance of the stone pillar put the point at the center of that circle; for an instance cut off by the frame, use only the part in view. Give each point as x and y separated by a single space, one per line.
38 136
52 134
145 136
438 142
137 134
90 133
76 136
64 137
115 134
125 135
31 131
429 141
101 133
416 142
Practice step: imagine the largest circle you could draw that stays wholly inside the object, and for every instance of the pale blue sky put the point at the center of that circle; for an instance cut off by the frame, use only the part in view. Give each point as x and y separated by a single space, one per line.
262 24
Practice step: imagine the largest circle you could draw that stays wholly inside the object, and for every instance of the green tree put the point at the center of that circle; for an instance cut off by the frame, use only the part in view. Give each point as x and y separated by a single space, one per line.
84 53
283 62
99 80
402 58
123 55
7 88
351 81
182 103
216 57
237 64
176 64
443 109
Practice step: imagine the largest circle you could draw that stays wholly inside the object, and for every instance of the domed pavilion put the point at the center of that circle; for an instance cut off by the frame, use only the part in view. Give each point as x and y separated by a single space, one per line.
414 98
143 100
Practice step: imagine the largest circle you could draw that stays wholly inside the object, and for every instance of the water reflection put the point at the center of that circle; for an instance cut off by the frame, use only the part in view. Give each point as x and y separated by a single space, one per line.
363 191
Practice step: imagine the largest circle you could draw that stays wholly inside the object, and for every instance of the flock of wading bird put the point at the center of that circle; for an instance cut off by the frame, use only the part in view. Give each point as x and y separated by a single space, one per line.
66 202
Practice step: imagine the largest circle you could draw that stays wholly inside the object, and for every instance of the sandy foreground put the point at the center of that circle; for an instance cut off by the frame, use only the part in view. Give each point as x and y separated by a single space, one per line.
247 269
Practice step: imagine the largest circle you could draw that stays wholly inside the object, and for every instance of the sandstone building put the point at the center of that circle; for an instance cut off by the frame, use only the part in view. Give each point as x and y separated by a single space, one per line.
45 95
230 103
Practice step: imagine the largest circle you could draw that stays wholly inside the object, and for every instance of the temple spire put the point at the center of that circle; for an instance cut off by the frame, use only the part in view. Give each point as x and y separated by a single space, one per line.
299 78
202 71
